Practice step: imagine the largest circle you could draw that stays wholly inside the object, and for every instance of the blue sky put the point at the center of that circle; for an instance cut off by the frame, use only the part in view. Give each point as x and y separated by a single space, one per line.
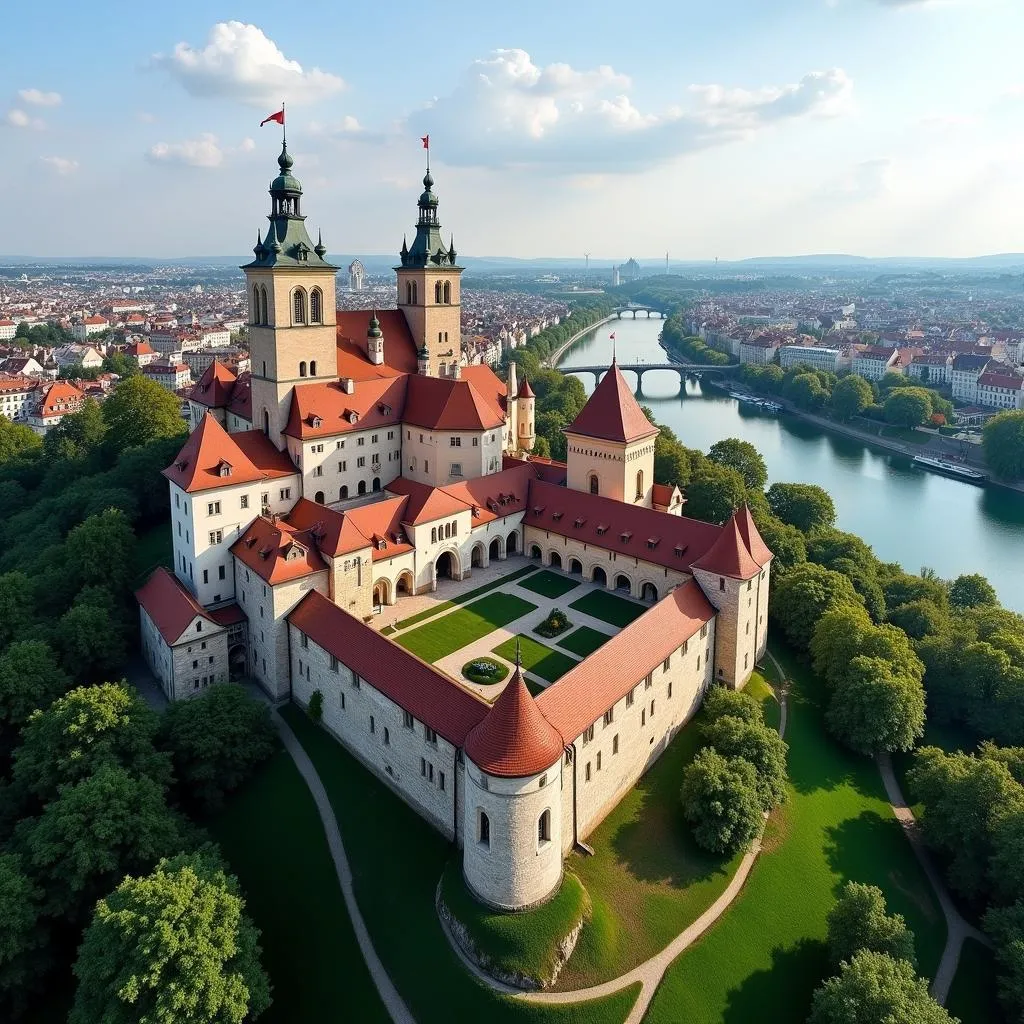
725 128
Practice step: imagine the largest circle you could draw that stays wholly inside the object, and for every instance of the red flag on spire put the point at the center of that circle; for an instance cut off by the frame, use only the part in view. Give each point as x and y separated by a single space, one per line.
278 117
425 139
611 337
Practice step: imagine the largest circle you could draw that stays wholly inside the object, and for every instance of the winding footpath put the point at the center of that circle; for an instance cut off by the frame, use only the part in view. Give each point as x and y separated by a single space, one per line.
957 929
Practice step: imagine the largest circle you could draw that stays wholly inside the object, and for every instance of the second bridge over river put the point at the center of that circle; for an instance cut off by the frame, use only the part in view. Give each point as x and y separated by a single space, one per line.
683 370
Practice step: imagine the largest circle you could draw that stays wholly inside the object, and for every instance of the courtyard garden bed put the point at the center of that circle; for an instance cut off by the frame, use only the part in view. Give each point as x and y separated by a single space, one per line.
439 638
395 867
603 605
584 641
537 658
526 949
549 584
484 671
554 625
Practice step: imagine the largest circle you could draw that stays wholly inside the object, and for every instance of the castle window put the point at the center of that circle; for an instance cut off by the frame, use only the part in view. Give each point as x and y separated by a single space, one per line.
721 583
594 486
639 485
264 315
312 368
544 827
407 719
373 725
298 306
437 291
343 492
588 734
387 737
599 760
433 535
256 304
667 664
586 773
415 293
316 303
630 697
447 293
302 369
483 829
704 630
615 743
429 735
609 716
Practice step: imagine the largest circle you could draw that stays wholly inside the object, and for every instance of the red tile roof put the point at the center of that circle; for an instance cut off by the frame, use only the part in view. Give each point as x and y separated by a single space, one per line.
612 413
228 615
140 348
15 382
616 526
399 347
241 397
336 532
992 379
169 604
324 409
496 495
543 469
441 403
661 494
432 697
514 740
729 556
489 386
277 551
587 691
525 391
214 387
247 457
426 503
61 397
759 551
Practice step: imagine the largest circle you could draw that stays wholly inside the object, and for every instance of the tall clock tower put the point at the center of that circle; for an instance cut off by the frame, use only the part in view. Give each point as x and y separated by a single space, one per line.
428 289
292 307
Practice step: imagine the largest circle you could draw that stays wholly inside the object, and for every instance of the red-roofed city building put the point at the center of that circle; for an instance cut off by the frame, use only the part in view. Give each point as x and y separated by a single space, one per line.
1001 387
55 401
142 352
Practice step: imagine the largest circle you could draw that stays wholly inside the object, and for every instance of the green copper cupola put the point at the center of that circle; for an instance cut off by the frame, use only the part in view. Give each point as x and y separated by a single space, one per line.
427 250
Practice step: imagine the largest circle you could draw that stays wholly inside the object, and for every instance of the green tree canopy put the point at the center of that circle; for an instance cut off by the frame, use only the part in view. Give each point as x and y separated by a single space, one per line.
858 920
803 595
102 551
720 702
1005 926
805 506
30 678
23 937
174 945
758 744
744 458
920 618
139 410
908 407
971 590
714 493
851 396
79 436
1003 440
719 798
16 440
785 542
91 641
806 391
16 605
873 988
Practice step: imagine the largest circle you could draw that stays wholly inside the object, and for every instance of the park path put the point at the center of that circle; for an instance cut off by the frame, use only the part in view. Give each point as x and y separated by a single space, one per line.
957 929
389 996
649 973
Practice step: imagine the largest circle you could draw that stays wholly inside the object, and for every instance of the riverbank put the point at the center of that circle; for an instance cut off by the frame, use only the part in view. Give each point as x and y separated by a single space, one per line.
553 360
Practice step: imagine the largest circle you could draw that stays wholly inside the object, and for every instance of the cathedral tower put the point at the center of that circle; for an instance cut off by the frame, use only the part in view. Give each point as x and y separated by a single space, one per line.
292 307
428 288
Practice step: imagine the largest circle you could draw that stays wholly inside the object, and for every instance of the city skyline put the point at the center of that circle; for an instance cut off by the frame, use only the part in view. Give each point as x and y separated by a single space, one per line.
852 126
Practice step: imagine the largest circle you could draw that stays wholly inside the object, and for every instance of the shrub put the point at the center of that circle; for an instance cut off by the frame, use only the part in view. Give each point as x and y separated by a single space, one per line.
859 921
556 622
719 797
484 671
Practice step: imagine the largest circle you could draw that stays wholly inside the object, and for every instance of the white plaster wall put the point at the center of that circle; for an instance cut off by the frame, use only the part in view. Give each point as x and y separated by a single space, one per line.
330 463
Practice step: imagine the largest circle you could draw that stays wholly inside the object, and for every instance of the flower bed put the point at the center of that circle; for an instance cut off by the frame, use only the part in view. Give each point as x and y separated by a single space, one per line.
555 624
484 671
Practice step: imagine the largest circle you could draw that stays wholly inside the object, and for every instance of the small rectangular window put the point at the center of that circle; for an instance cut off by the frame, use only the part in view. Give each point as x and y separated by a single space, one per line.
649 681
587 772
407 719
440 781
704 630
666 664
244 501
630 697
221 572
343 702
373 724
615 743
334 663
423 767
588 734
216 536
304 640
609 716
387 737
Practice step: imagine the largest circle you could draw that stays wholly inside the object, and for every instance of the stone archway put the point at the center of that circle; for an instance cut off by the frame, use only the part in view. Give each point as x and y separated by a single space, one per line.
600 576
447 566
236 662
575 567
319 497
512 544
623 583
555 561
404 584
476 558
382 592
649 592
535 551
494 551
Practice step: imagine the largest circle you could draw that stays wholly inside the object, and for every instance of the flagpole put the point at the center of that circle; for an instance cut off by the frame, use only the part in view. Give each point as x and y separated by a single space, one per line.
284 130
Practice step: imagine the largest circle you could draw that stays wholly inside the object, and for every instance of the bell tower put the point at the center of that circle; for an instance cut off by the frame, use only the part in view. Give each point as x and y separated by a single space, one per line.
428 287
292 307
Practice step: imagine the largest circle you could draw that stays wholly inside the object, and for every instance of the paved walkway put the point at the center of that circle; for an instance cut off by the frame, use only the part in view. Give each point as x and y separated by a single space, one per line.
957 929
649 973
392 1001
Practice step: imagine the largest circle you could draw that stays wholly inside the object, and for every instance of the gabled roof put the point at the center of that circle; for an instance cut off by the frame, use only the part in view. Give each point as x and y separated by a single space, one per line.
996 379
495 495
425 503
277 551
443 403
213 458
514 740
759 551
399 347
432 697
58 396
612 413
169 605
551 470
240 402
729 556
587 691
355 529
322 409
214 387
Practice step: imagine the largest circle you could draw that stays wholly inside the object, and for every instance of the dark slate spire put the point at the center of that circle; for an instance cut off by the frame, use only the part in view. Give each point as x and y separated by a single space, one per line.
428 249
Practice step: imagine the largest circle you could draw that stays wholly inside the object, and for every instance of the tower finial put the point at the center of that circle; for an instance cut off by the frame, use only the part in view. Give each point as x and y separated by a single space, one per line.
519 663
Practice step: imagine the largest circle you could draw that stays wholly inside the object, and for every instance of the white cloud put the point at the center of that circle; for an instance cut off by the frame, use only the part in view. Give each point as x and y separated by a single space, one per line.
38 98
146 117
865 180
17 118
240 62
62 165
507 111
204 151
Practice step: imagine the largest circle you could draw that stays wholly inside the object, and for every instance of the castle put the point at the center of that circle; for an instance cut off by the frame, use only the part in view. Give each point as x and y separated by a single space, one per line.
360 462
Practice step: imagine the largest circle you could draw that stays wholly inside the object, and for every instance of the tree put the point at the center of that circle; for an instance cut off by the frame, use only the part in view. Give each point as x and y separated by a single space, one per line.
30 678
858 921
873 988
875 708
16 606
744 458
902 588
785 542
1002 438
714 493
865 582
806 392
102 551
920 618
908 407
851 396
1005 926
805 506
79 436
803 595
23 939
719 797
122 365
96 831
720 702
85 729
17 440
91 642
762 747
175 945
972 590
216 741
139 410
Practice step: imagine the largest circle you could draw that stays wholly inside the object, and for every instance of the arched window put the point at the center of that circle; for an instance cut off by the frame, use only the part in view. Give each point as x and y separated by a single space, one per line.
298 306
639 484
256 305
264 315
415 293
302 369
594 486
544 827
484 830
312 368
447 530
316 306
319 497
433 535
362 486
266 422
447 292
344 492
437 291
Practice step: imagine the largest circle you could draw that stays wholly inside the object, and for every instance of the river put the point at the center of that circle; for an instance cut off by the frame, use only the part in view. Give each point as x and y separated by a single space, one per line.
908 515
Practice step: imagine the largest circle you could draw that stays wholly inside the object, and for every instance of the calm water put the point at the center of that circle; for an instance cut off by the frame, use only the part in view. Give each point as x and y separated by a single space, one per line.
907 515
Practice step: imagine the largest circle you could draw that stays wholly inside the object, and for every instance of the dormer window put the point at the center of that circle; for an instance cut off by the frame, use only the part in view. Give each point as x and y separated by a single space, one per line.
579 522
680 550
556 516
626 536
351 415
602 529
538 510
223 468
315 421
652 542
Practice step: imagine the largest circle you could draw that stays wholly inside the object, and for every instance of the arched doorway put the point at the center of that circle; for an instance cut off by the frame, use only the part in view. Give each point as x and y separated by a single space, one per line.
376 483
556 560
476 559
575 567
649 592
535 551
512 544
600 576
494 551
319 497
362 486
404 584
444 567
236 662
381 593
623 583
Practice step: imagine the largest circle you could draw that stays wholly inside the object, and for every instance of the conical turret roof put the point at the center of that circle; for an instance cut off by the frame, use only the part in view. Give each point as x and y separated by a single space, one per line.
612 413
525 391
729 556
759 551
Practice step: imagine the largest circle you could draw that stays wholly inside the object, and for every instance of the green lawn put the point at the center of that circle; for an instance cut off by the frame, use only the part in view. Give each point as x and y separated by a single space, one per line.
525 943
768 949
441 637
584 641
758 687
973 996
538 658
616 611
549 584
272 836
397 860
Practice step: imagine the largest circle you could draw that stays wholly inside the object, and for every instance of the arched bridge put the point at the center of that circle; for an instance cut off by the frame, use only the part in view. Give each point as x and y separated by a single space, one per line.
633 308
683 369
